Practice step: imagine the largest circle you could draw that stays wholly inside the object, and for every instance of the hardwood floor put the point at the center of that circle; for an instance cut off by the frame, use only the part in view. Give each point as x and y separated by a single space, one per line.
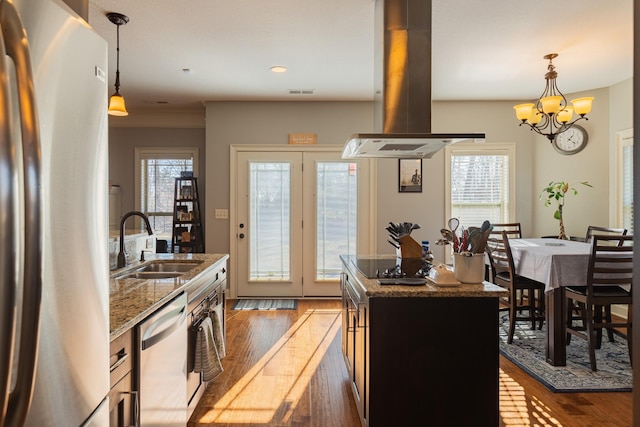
285 368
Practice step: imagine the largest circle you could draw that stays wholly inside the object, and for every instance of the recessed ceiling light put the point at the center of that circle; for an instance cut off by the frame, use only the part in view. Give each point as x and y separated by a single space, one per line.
278 69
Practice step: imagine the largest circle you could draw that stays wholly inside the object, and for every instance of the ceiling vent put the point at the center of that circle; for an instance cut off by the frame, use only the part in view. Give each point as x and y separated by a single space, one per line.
301 91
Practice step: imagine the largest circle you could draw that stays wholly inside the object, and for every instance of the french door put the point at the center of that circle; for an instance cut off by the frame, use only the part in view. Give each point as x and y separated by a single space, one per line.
297 212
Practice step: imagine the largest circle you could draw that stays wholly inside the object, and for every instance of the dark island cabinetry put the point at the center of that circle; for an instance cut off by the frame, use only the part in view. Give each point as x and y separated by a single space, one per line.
421 357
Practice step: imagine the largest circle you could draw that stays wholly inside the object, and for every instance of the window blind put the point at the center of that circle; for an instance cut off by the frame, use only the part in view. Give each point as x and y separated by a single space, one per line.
480 188
157 181
627 187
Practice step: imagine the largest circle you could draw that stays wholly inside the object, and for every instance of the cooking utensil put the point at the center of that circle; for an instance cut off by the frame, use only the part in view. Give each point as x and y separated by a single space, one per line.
453 224
447 234
474 241
464 242
482 244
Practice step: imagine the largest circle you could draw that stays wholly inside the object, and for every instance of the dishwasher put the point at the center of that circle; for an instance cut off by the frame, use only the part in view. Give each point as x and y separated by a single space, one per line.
162 366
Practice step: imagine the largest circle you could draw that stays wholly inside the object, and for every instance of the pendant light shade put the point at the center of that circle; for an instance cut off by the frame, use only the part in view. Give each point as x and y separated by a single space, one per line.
116 103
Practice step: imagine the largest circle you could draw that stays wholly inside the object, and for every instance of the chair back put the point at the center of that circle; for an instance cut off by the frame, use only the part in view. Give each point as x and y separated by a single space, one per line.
611 263
513 229
500 257
606 231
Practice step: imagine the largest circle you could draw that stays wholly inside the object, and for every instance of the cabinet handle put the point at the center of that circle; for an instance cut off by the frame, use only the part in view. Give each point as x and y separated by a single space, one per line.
136 406
364 306
120 361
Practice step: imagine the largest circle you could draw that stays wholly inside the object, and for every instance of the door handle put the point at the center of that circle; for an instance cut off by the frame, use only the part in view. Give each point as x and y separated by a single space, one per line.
19 399
241 235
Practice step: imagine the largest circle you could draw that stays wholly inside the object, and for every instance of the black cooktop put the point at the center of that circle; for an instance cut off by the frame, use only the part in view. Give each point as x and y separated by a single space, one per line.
376 268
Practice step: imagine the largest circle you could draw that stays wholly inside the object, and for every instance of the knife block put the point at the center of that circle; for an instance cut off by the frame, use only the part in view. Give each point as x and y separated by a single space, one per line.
409 248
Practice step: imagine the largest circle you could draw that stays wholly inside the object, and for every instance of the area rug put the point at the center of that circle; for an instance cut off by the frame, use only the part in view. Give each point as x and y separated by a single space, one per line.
528 352
266 304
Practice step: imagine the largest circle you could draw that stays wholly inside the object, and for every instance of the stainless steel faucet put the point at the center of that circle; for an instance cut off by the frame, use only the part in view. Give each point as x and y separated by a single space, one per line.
122 256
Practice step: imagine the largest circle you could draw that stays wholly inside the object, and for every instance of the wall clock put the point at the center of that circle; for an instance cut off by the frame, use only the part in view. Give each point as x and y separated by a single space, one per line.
571 141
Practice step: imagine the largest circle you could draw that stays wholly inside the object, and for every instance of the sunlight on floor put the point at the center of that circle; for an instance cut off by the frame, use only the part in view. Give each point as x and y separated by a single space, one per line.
281 376
516 410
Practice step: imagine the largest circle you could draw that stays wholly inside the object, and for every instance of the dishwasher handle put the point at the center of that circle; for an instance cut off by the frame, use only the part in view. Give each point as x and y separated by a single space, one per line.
175 319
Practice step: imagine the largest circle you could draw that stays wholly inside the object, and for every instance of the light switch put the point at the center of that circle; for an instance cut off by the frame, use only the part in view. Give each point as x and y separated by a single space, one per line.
222 214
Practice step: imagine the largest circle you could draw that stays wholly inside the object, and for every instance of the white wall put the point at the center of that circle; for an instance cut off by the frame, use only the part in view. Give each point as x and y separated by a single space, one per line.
267 123
123 141
497 121
270 123
620 118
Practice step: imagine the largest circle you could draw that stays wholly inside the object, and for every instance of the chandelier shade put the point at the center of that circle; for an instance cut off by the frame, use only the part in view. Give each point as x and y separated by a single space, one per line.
116 102
551 114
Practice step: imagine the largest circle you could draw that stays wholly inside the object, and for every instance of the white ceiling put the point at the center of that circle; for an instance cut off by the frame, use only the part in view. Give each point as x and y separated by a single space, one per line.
482 49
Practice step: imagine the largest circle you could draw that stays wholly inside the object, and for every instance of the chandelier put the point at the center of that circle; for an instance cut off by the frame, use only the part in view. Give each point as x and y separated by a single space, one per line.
551 114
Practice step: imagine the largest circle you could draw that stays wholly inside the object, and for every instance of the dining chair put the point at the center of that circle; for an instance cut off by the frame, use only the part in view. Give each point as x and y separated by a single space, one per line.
607 231
513 229
609 281
504 274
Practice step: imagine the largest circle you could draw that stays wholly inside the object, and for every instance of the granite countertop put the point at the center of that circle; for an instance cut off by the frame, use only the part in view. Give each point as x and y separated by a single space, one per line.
132 300
372 289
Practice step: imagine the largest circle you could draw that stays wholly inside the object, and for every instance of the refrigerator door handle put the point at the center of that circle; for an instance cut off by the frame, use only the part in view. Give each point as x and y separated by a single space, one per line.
8 239
16 45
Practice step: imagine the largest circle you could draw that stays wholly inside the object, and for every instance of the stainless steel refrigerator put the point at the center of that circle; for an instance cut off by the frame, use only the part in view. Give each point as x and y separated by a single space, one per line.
54 272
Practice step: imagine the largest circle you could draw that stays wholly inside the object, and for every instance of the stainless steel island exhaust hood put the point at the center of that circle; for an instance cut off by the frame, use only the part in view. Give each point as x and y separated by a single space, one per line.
402 78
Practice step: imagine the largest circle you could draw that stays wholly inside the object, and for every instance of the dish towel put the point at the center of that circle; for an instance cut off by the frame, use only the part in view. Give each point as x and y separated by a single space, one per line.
207 360
218 331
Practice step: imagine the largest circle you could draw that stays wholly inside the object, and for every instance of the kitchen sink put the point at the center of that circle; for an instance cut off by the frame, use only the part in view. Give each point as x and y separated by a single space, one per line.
150 275
168 267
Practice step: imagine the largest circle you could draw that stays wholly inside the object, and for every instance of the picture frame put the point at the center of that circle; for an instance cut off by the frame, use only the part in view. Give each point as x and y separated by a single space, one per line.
186 192
185 216
410 175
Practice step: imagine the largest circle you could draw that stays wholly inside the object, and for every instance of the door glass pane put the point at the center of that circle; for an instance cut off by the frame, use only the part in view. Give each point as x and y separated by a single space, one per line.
336 215
270 213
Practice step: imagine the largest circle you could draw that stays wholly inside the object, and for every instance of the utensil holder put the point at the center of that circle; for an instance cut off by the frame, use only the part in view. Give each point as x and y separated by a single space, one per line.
409 248
468 268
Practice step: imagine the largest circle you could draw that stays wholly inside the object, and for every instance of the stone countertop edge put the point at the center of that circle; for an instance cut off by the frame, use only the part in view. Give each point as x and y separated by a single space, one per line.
132 300
372 289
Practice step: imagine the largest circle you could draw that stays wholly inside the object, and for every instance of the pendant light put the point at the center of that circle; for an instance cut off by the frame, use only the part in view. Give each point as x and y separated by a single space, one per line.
116 103
551 114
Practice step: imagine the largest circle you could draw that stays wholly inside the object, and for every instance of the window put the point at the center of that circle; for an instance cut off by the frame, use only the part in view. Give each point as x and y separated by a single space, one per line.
156 170
624 180
480 183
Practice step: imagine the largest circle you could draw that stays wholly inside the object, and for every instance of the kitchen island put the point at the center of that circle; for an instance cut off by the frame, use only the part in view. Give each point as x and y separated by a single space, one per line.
421 355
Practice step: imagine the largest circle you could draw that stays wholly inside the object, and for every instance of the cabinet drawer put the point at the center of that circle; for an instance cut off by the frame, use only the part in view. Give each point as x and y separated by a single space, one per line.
122 404
121 356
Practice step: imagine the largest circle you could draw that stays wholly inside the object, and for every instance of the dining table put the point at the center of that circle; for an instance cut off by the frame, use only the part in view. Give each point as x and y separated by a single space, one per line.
556 263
